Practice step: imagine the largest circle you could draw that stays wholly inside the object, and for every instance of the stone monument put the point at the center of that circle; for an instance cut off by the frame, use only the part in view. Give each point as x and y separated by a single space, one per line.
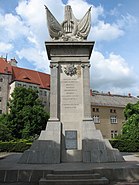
70 134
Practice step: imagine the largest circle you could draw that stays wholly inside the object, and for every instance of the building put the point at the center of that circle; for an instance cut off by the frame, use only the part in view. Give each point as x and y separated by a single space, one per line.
108 112
12 76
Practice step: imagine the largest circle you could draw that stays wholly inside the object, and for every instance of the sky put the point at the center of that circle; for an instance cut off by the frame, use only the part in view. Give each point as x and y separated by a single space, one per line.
114 28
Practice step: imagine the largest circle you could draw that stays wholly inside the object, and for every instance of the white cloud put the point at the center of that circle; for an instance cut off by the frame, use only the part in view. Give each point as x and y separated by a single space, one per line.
80 7
100 30
111 73
105 31
5 47
126 21
34 15
114 12
37 57
12 27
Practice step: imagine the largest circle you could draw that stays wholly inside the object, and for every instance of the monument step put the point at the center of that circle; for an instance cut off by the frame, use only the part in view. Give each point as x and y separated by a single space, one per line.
73 176
72 172
101 181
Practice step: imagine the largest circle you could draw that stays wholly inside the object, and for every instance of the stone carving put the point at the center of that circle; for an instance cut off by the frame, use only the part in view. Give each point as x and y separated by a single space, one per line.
71 29
87 65
70 70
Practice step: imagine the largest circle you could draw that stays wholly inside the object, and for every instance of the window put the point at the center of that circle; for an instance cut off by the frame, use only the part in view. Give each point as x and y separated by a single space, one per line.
114 133
45 93
24 85
44 103
0 99
0 111
19 84
95 109
96 119
112 111
1 79
40 92
113 119
0 88
6 70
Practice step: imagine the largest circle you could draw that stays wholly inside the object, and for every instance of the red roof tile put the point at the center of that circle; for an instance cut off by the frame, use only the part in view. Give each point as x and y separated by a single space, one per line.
5 67
25 75
30 76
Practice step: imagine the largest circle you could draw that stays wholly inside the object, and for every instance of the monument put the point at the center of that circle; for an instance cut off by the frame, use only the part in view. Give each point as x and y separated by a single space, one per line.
70 134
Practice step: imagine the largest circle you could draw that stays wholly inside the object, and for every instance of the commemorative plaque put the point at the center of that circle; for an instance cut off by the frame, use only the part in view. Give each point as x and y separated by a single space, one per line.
71 139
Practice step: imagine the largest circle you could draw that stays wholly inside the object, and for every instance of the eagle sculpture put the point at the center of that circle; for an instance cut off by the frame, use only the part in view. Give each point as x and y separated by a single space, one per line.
71 29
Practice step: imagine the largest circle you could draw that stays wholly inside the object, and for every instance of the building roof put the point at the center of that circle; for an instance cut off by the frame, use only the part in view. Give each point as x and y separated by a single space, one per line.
31 76
25 75
111 100
5 67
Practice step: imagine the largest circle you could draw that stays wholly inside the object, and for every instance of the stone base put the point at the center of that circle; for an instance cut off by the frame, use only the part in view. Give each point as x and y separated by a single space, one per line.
47 148
95 148
69 156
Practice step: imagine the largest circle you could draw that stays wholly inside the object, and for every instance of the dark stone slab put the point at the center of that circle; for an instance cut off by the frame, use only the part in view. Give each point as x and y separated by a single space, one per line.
36 175
2 175
24 175
11 176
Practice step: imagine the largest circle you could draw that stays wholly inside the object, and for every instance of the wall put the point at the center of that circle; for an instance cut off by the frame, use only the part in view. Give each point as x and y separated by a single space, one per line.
4 91
105 125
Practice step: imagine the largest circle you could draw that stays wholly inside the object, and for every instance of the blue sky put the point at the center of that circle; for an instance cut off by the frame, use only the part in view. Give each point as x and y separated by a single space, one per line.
115 30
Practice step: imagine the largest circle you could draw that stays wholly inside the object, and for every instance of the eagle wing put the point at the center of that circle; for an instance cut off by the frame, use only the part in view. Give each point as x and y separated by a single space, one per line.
55 29
84 25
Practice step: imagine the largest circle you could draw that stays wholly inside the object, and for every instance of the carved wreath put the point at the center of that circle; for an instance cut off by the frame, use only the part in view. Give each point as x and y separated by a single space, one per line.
70 70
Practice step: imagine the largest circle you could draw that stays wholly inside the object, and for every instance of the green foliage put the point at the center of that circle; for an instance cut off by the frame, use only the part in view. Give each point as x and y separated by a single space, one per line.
14 146
131 127
125 145
27 116
128 141
5 132
131 109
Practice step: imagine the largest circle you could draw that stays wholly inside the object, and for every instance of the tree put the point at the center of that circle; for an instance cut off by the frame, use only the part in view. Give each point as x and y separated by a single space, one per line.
5 132
27 116
131 126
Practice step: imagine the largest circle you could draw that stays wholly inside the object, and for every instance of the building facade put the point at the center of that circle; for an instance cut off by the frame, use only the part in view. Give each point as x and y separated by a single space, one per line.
12 76
108 112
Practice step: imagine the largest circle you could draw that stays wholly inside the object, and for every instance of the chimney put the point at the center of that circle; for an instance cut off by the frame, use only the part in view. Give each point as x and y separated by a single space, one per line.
91 92
13 62
129 95
109 93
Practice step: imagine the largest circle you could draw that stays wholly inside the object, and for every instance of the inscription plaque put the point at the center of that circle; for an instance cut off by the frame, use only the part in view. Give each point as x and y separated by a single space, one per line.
71 139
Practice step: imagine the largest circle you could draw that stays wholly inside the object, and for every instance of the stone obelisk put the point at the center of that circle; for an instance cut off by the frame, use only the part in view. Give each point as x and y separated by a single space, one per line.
70 134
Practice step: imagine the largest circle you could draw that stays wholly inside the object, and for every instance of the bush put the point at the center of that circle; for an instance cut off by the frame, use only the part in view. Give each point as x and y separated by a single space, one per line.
15 146
125 145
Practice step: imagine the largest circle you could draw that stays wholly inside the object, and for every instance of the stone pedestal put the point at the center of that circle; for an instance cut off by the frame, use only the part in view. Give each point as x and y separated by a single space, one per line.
70 135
